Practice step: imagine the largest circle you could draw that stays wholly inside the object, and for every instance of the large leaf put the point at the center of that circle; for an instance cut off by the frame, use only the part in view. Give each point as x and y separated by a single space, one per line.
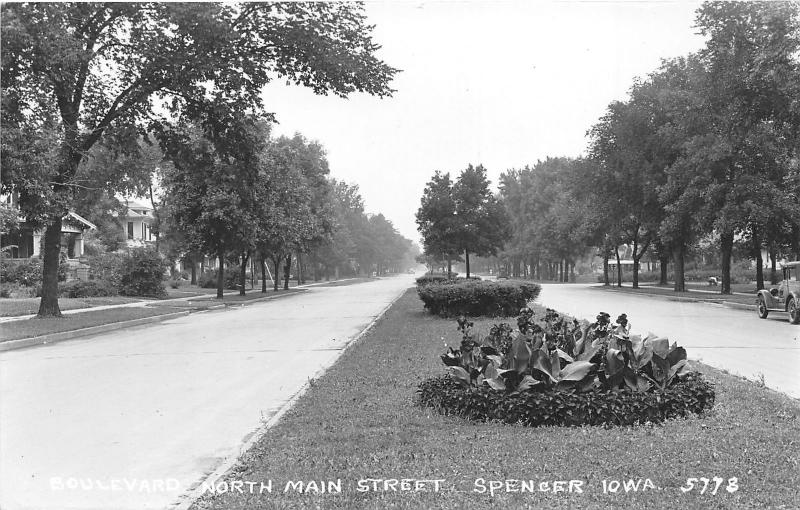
527 383
614 362
660 369
563 355
576 371
521 354
676 354
546 364
459 374
660 346
635 381
490 372
496 383
589 352
677 368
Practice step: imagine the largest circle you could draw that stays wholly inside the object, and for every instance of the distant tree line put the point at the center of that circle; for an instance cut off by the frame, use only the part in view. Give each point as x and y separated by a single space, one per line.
704 148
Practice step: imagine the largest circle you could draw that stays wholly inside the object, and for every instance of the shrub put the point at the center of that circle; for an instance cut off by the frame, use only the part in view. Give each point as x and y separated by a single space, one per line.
477 298
427 279
88 288
175 284
108 267
568 408
232 277
208 280
28 274
142 274
557 371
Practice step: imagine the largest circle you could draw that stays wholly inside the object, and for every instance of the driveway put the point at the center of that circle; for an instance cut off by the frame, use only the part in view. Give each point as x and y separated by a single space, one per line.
734 340
133 418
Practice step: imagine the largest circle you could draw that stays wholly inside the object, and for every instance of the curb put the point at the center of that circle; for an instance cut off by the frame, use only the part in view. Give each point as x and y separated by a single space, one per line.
194 493
739 306
51 338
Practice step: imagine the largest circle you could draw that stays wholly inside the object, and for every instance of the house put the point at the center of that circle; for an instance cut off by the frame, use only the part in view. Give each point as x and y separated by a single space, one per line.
138 223
26 242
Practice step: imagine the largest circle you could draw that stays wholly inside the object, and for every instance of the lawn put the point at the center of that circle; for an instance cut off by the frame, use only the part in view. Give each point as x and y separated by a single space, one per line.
28 328
691 293
13 307
358 423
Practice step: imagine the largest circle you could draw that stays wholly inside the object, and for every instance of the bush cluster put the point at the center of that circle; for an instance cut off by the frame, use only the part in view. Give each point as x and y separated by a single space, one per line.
558 371
598 406
142 274
89 288
29 273
208 280
477 298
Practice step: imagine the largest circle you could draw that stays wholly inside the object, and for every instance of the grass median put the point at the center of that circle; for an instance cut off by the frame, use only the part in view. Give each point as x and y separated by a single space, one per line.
358 424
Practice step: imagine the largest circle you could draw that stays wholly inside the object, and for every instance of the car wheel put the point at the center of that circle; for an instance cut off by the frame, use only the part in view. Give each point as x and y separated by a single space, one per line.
762 308
794 312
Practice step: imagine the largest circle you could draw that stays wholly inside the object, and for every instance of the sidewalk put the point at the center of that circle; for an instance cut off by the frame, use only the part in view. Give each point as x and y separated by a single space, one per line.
19 333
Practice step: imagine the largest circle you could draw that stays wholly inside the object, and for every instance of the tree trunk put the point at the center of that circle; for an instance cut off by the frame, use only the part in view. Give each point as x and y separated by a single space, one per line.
243 272
759 261
48 306
560 270
287 268
220 273
678 253
299 260
663 261
276 263
263 264
606 281
156 216
619 267
449 267
193 258
635 278
773 269
726 247
466 257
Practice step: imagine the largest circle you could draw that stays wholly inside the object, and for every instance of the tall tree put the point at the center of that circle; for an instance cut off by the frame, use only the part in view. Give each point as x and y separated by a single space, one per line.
71 71
436 220
752 72
480 220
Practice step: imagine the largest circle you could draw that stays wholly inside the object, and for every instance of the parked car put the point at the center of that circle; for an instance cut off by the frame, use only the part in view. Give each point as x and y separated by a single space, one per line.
785 297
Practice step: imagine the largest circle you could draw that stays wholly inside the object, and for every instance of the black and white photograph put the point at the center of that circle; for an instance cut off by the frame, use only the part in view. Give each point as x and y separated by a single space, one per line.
400 254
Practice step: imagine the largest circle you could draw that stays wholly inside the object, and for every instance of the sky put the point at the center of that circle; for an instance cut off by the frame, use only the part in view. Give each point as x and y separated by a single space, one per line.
500 83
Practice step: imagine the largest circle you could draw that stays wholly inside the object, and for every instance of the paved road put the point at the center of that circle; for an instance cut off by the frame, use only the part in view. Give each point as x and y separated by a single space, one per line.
132 419
722 337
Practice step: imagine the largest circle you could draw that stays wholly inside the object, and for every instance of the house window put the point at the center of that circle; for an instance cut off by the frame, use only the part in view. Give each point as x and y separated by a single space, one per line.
130 230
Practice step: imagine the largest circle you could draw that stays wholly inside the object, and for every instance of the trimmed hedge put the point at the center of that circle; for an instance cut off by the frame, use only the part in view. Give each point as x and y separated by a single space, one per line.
692 394
90 288
477 298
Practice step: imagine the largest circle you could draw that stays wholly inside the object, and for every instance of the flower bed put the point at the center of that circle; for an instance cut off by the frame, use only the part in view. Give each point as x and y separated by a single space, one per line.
557 371
477 298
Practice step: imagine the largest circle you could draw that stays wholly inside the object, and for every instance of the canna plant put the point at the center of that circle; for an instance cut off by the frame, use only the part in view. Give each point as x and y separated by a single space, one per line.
558 353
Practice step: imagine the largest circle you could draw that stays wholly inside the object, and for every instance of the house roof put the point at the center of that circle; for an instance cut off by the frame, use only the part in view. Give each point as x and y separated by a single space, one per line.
75 218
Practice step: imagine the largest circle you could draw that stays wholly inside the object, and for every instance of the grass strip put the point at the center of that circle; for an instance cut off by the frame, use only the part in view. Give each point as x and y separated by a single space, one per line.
14 307
667 292
28 328
359 422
